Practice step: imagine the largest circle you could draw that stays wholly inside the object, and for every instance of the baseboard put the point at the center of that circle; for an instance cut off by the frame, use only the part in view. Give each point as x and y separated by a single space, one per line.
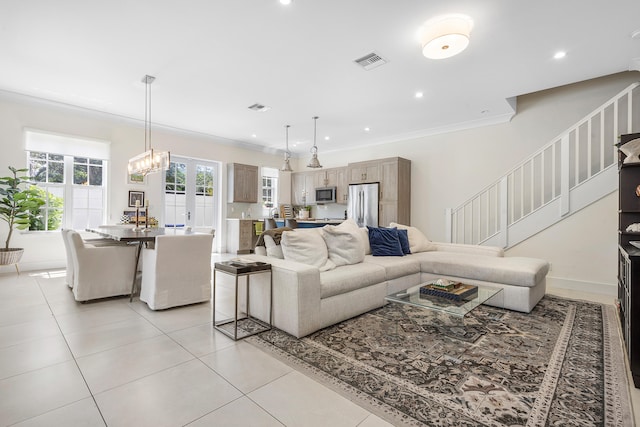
608 289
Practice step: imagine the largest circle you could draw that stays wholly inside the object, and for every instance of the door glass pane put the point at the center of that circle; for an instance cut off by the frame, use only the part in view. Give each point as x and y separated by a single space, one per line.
175 214
189 194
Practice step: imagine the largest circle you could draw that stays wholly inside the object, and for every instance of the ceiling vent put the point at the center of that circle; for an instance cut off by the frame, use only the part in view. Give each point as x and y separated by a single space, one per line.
371 61
259 107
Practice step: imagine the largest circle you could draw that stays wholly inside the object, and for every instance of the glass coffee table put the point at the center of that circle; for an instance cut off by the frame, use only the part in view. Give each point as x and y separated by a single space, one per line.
413 297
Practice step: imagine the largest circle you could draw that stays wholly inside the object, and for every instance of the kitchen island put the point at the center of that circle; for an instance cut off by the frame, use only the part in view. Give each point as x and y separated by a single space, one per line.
311 222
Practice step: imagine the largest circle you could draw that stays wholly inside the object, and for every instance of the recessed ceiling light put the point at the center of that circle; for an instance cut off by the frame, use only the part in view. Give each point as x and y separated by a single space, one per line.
254 136
560 54
419 94
285 2
326 138
367 129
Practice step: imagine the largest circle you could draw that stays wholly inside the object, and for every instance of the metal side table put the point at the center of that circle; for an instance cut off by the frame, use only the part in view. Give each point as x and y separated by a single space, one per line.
242 327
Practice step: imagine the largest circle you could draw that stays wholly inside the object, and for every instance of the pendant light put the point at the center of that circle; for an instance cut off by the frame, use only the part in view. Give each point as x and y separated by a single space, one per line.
286 167
314 163
149 161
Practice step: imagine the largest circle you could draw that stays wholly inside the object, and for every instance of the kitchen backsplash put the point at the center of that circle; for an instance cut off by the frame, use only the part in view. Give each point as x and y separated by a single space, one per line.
252 210
255 210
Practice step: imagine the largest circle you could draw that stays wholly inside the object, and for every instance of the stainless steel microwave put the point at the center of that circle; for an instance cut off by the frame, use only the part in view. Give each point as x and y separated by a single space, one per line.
326 195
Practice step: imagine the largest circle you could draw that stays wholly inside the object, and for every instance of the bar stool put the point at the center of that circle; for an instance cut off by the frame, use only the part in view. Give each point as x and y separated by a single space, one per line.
270 223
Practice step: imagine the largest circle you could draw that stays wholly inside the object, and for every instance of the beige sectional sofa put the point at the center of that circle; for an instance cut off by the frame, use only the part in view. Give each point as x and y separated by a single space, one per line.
308 297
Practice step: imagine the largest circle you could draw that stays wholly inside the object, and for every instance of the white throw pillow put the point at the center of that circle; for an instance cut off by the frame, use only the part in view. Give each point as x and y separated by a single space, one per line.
273 250
364 235
418 242
344 243
306 246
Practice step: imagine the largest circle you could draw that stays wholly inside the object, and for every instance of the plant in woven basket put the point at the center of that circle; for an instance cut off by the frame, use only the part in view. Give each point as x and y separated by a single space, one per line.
20 202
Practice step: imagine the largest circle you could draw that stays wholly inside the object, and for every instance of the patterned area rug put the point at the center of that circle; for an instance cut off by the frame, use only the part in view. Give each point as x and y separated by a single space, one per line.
560 365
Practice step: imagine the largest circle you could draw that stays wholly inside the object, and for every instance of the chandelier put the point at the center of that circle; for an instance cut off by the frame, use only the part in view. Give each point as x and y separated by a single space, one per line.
149 161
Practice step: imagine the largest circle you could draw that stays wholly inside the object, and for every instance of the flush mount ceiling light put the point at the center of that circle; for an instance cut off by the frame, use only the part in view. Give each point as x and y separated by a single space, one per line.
286 167
149 161
445 36
314 163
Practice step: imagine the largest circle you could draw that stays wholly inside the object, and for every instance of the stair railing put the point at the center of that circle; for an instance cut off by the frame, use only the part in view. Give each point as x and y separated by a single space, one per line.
576 156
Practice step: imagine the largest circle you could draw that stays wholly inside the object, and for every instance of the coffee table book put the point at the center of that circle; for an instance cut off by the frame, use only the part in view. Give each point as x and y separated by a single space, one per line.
459 292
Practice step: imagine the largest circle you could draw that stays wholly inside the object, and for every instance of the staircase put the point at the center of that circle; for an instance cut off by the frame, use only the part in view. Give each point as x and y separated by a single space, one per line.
571 172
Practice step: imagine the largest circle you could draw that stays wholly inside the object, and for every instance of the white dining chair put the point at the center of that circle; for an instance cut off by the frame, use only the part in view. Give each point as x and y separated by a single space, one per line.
100 271
177 271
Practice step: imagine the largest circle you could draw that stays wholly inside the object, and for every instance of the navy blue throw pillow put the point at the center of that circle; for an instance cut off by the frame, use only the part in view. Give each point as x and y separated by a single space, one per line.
384 242
403 236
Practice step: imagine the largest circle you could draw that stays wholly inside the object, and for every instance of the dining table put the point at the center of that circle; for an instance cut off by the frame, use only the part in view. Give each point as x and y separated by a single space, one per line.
139 236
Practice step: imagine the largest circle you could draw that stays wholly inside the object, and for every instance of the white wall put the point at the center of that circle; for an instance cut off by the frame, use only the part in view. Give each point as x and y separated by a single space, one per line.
582 250
45 250
447 169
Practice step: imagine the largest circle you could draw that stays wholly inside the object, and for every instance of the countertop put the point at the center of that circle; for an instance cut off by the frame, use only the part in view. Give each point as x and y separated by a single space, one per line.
309 220
315 220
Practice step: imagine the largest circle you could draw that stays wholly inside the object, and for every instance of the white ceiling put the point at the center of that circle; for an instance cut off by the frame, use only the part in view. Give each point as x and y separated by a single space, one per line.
214 58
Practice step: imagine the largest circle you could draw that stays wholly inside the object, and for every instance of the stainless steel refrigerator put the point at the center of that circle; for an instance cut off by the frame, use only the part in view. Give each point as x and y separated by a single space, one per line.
363 204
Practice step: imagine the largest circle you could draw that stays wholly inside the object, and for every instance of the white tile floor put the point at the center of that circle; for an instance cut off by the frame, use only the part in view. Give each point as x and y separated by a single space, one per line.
119 364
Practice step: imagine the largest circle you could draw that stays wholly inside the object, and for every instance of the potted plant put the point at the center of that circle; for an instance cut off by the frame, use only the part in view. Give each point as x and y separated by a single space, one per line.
20 203
304 212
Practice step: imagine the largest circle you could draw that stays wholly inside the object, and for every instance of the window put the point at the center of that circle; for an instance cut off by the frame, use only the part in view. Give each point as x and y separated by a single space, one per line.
71 181
269 187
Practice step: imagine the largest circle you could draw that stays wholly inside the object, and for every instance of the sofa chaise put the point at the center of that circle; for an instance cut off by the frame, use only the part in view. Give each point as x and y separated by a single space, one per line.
326 275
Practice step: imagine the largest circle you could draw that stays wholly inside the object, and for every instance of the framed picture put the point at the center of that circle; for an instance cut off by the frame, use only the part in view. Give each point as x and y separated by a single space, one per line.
130 217
135 178
135 196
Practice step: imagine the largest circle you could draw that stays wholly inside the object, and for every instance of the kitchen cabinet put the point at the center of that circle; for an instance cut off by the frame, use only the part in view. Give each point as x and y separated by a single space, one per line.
342 186
297 188
394 176
364 172
303 186
306 183
321 178
395 191
388 213
242 183
241 236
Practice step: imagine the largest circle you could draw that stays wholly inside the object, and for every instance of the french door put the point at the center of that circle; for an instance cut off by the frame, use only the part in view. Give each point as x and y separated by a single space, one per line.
191 193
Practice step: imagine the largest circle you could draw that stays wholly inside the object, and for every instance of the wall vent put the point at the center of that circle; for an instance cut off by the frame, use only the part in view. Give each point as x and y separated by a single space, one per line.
259 107
371 61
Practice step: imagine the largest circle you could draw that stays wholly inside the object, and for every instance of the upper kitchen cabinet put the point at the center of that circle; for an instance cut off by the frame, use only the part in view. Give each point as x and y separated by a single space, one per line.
334 177
243 183
342 192
303 185
364 172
